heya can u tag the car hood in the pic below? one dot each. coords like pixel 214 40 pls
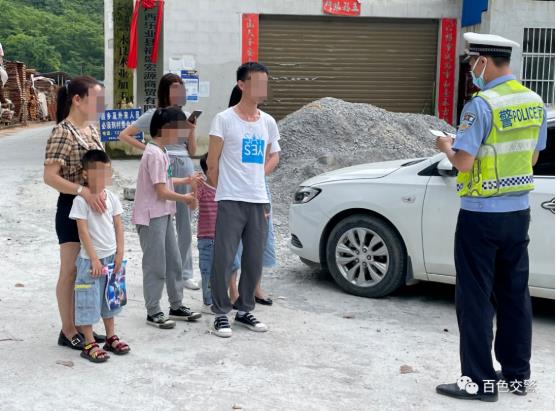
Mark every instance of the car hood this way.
pixel 363 171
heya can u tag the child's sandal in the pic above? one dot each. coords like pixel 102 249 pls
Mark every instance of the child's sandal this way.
pixel 93 353
pixel 121 348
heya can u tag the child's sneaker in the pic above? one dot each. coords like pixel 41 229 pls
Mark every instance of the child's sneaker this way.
pixel 159 320
pixel 207 309
pixel 248 320
pixel 184 314
pixel 221 327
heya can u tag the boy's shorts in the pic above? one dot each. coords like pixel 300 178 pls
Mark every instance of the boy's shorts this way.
pixel 90 302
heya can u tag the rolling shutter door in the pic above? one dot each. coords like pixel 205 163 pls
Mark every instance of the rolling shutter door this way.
pixel 390 63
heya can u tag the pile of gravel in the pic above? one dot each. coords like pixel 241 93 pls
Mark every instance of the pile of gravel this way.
pixel 329 133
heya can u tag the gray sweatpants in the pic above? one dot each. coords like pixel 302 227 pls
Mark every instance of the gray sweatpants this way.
pixel 182 166
pixel 238 220
pixel 161 264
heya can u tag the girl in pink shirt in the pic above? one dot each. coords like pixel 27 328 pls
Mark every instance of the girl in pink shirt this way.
pixel 153 211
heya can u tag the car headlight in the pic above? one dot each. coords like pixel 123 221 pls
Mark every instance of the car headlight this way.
pixel 305 194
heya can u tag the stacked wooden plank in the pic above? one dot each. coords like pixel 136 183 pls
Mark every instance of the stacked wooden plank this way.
pixel 3 94
pixel 46 86
pixel 15 87
pixel 21 71
pixel 24 90
pixel 6 108
pixel 51 102
pixel 32 100
pixel 32 104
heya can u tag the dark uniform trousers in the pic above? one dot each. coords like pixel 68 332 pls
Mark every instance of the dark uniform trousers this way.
pixel 492 266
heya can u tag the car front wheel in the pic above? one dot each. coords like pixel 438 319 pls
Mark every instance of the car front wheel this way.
pixel 366 256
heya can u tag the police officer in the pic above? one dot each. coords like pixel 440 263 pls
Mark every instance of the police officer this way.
pixel 502 129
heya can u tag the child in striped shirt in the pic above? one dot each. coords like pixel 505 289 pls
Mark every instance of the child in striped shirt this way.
pixel 208 209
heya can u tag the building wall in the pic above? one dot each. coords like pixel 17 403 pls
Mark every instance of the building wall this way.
pixel 508 18
pixel 210 30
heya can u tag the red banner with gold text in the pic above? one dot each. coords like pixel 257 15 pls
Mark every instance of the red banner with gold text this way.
pixel 447 72
pixel 342 7
pixel 249 37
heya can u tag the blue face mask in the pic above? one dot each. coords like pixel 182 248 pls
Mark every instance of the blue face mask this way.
pixel 479 81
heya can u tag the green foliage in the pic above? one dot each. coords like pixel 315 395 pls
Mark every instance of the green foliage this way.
pixel 51 35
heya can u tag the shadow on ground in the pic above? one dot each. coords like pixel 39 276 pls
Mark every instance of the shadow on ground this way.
pixel 422 292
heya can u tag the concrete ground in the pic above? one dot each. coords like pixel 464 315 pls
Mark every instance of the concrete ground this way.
pixel 326 350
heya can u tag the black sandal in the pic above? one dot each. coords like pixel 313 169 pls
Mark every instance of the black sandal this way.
pixel 121 348
pixel 96 356
pixel 263 301
pixel 76 342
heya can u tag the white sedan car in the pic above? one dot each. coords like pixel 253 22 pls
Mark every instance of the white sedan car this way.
pixel 379 226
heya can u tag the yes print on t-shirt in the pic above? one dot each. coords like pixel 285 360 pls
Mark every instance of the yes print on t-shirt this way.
pixel 252 149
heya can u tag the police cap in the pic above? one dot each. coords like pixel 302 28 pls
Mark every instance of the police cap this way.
pixel 488 45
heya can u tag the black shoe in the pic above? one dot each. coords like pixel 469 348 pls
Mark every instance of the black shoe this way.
pixel 263 301
pixel 221 327
pixel 77 342
pixel 248 320
pixel 99 338
pixel 184 314
pixel 452 390
pixel 160 320
pixel 515 386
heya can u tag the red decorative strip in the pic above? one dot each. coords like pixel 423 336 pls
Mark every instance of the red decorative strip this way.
pixel 249 37
pixel 447 73
pixel 342 7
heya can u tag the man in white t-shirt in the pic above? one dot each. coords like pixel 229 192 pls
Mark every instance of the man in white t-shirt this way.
pixel 240 141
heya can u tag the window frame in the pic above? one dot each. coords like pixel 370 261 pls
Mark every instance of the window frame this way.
pixel 538 47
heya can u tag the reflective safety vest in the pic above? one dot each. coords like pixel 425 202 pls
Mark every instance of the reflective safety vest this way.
pixel 503 163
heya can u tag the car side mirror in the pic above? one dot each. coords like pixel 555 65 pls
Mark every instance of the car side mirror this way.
pixel 446 169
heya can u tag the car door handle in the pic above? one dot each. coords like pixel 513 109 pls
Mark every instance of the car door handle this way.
pixel 549 205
